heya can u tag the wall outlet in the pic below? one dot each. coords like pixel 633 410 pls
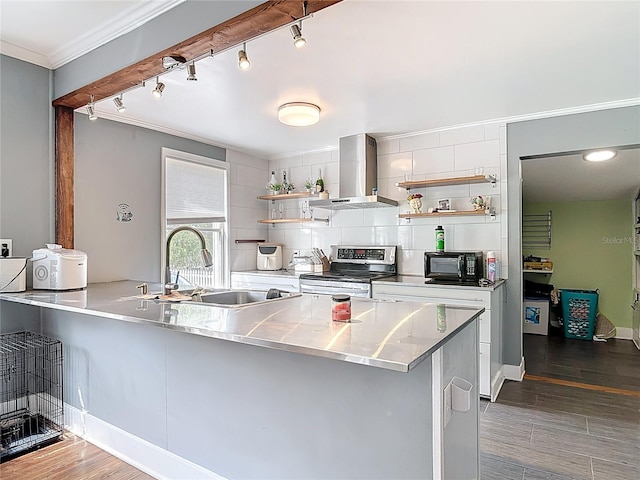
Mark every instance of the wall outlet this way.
pixel 6 247
pixel 447 405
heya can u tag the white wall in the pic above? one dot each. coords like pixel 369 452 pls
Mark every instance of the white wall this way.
pixel 247 179
pixel 438 154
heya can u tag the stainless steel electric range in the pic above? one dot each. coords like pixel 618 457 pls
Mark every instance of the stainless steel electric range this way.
pixel 353 268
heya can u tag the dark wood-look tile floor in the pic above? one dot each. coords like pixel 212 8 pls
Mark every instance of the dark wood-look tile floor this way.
pixel 72 458
pixel 576 415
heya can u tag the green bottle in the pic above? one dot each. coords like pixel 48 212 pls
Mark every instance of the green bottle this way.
pixel 319 182
pixel 439 239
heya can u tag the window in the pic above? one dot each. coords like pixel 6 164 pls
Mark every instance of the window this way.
pixel 195 194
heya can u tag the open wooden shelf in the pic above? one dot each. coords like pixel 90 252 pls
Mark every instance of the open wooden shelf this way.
pixel 447 181
pixel 293 220
pixel 444 213
pixel 287 196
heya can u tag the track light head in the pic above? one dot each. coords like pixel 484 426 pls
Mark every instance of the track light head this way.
pixel 119 105
pixel 191 71
pixel 243 60
pixel 91 109
pixel 298 40
pixel 157 92
pixel 91 112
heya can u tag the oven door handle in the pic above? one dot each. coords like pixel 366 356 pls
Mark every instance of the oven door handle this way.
pixel 305 288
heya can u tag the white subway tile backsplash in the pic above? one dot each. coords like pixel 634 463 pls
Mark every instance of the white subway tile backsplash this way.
pixel 462 135
pixel 418 142
pixel 492 131
pixel 385 235
pixel 480 154
pixel 481 237
pixel 388 146
pixel 317 158
pixel 394 165
pixel 347 218
pixel 381 216
pixel 433 160
pixel 451 153
pixel 251 177
pixel 240 158
pixel 358 236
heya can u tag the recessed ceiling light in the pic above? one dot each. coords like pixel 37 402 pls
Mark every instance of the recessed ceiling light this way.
pixel 299 114
pixel 599 155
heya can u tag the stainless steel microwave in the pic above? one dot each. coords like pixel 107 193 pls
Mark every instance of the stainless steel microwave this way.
pixel 460 266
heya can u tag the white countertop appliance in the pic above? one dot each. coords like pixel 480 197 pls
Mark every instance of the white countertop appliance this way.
pixel 353 268
pixel 57 268
pixel 13 274
pixel 269 256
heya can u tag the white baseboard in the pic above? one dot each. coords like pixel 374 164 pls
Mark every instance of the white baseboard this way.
pixel 624 333
pixel 145 456
pixel 514 372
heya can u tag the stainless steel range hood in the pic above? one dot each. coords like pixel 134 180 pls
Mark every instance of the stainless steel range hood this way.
pixel 358 176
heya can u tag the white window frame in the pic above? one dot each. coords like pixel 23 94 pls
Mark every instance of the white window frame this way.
pixel 169 153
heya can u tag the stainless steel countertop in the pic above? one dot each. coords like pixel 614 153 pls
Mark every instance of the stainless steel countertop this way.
pixel 391 335
pixel 418 280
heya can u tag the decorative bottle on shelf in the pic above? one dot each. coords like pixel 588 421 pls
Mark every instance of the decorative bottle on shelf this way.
pixel 319 182
pixel 272 182
pixel 439 239
pixel 285 185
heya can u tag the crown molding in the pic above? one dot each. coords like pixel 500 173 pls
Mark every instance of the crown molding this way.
pixel 128 20
pixel 14 51
pixel 629 102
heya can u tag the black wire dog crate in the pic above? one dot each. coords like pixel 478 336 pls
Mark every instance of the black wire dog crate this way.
pixel 31 404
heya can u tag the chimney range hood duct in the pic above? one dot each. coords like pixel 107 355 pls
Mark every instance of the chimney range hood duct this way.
pixel 358 176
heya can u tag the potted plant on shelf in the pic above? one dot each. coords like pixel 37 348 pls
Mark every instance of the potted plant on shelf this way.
pixel 274 188
pixel 478 203
pixel 415 202
pixel 309 186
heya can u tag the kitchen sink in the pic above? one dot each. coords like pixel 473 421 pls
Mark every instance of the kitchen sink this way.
pixel 240 298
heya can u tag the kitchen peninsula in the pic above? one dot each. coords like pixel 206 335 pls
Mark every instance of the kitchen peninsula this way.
pixel 193 383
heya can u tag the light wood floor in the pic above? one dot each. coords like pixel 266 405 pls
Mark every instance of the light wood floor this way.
pixel 69 459
pixel 578 417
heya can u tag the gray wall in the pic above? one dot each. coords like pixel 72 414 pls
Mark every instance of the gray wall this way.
pixel 118 163
pixel 170 28
pixel 604 128
pixel 26 168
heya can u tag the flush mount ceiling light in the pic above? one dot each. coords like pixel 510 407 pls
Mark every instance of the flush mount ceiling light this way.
pixel 119 105
pixel 91 109
pixel 299 114
pixel 157 92
pixel 191 71
pixel 298 40
pixel 173 61
pixel 243 60
pixel 599 155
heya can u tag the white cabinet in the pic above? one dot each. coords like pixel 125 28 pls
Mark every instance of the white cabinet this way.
pixel 490 323
pixel 256 280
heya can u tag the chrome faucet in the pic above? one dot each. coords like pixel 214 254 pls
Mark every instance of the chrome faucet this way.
pixel 207 260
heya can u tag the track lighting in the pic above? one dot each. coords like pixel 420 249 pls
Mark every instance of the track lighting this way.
pixel 157 92
pixel 191 70
pixel 298 40
pixel 119 105
pixel 91 109
pixel 243 60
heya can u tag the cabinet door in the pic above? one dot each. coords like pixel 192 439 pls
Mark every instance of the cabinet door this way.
pixel 264 282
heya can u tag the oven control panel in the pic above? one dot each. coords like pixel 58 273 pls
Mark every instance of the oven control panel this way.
pixel 353 254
